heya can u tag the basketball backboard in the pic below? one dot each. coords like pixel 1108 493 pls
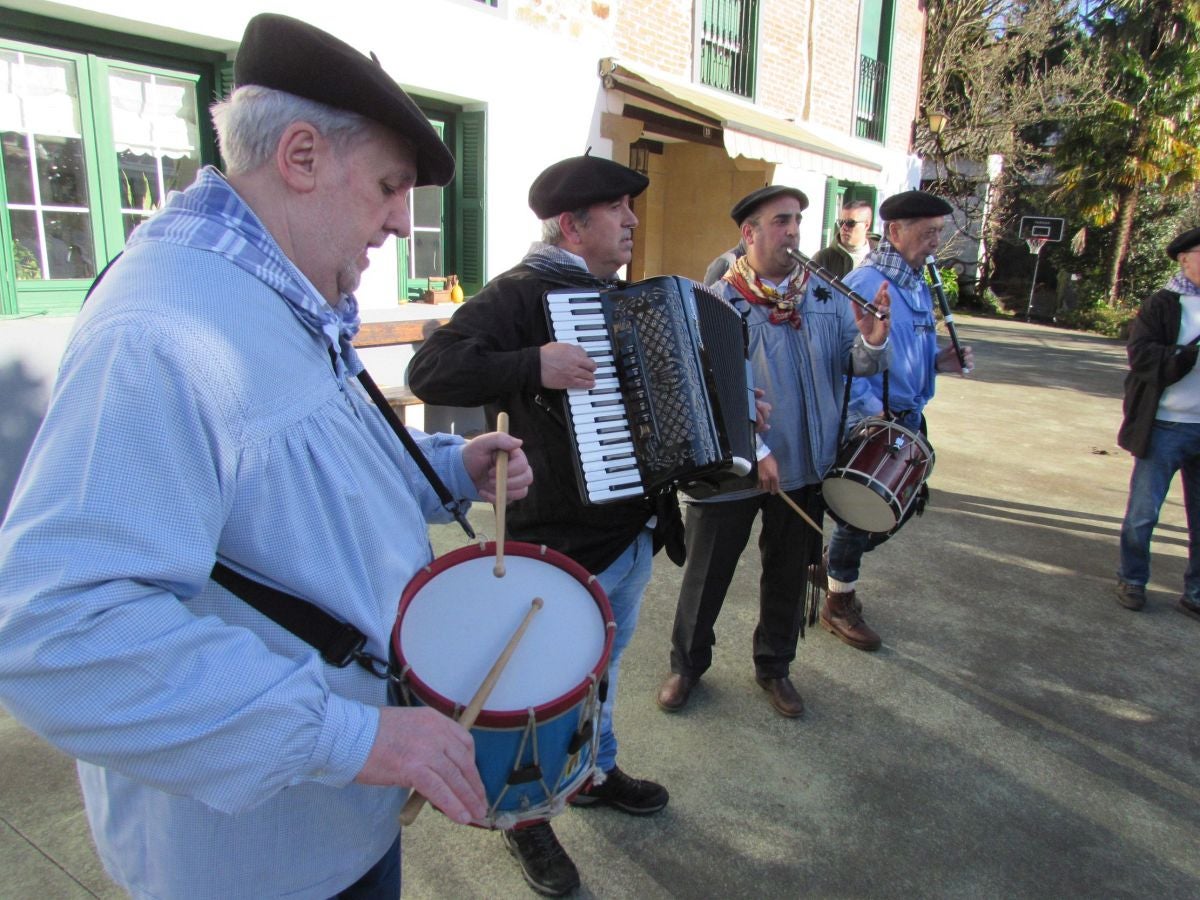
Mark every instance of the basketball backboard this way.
pixel 1046 227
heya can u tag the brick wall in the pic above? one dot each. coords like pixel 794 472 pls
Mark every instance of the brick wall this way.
pixel 808 56
pixel 657 33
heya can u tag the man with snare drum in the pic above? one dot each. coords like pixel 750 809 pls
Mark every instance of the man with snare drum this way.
pixel 913 224
pixel 207 418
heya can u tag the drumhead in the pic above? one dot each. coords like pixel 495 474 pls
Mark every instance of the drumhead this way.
pixel 854 503
pixel 456 617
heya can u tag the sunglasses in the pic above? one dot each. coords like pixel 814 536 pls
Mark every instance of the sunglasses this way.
pixel 848 223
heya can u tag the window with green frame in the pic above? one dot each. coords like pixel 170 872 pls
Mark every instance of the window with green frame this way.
pixel 447 222
pixel 727 45
pixel 875 50
pixel 90 145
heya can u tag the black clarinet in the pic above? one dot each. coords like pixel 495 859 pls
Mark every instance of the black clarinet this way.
pixel 837 284
pixel 940 289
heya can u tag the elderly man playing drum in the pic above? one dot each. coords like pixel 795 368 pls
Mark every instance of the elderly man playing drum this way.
pixel 913 229
pixel 206 412
pixel 801 342
pixel 497 352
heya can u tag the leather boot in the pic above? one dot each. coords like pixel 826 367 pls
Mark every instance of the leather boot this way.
pixel 841 614
pixel 673 695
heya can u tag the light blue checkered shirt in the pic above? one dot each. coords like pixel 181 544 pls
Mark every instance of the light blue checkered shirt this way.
pixel 197 416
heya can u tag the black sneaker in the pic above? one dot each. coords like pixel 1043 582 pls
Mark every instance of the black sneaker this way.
pixel 630 795
pixel 544 862
pixel 1131 596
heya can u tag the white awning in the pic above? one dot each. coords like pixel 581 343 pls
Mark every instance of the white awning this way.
pixel 746 130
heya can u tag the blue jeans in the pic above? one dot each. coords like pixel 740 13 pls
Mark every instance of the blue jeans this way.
pixel 382 881
pixel 1174 447
pixel 624 582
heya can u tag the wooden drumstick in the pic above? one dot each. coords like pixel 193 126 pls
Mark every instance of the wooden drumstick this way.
pixel 501 496
pixel 805 516
pixel 416 801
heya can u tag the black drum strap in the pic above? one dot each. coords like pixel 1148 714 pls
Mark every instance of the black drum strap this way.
pixel 339 643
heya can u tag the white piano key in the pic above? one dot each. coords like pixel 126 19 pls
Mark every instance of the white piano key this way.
pixel 616 493
pixel 615 451
pixel 601 479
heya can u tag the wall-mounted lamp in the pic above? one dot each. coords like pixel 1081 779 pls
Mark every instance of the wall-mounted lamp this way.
pixel 936 121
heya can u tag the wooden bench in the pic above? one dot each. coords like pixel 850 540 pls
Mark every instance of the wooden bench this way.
pixel 399 399
pixel 386 334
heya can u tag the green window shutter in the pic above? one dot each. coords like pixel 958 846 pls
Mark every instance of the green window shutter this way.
pixel 470 188
pixel 833 205
pixel 870 30
pixel 225 80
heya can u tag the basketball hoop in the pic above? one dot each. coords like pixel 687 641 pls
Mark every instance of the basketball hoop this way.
pixel 1036 244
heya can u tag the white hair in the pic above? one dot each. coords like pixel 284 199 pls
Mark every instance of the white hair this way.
pixel 552 232
pixel 250 122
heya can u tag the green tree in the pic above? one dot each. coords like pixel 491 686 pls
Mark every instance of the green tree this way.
pixel 1005 72
pixel 1146 133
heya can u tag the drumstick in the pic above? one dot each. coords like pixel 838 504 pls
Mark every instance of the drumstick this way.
pixel 805 516
pixel 415 801
pixel 501 496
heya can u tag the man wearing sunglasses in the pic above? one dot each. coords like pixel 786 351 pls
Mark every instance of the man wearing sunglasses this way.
pixel 852 242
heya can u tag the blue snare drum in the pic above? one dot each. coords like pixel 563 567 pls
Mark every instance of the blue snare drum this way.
pixel 536 737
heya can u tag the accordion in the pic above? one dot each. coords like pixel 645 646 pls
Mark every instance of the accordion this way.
pixel 673 404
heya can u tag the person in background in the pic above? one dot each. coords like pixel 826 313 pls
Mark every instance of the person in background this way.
pixel 852 242
pixel 719 266
pixel 1161 426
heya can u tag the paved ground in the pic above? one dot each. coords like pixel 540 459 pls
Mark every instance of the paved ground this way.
pixel 1019 734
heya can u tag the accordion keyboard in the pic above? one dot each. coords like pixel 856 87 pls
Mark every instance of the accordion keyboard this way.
pixel 602 428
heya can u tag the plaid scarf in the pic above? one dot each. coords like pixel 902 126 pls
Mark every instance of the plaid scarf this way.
pixel 562 266
pixel 1182 285
pixel 894 266
pixel 210 216
pixel 785 305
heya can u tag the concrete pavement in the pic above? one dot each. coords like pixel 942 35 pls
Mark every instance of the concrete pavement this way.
pixel 1018 735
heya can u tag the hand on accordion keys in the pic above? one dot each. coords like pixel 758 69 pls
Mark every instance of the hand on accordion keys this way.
pixel 566 366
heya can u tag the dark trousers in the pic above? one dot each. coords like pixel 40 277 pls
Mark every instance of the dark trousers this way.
pixel 382 881
pixel 716 535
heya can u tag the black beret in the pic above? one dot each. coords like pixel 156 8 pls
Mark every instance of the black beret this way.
pixel 580 181
pixel 288 55
pixel 745 207
pixel 1185 241
pixel 913 205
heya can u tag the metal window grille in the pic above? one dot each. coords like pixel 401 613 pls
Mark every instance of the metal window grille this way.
pixel 728 45
pixel 872 88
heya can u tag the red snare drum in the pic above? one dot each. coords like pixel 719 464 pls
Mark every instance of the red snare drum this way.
pixel 877 475
pixel 536 737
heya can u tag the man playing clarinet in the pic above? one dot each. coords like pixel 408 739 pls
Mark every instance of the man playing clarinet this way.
pixel 803 337
pixel 912 231
pixel 497 352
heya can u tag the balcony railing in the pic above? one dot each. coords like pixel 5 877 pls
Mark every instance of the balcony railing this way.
pixel 872 89
pixel 728 52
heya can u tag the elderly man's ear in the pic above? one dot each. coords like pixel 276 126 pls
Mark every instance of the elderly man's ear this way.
pixel 297 154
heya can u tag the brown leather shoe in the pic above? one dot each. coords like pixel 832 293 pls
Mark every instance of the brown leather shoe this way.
pixel 784 696
pixel 841 614
pixel 674 693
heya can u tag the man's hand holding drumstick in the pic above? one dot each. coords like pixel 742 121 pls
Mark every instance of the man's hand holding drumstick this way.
pixel 480 456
